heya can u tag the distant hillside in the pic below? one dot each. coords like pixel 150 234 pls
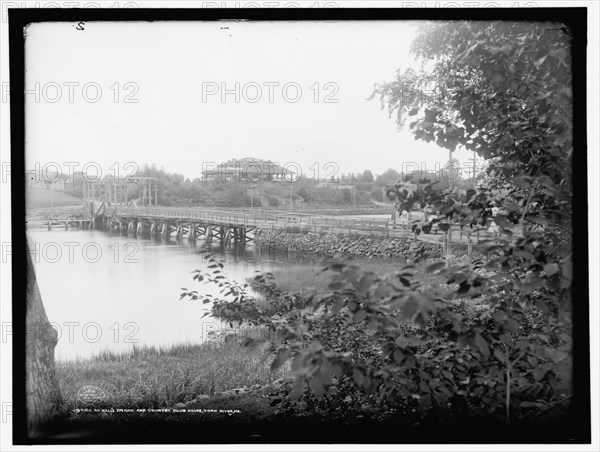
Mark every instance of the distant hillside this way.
pixel 39 198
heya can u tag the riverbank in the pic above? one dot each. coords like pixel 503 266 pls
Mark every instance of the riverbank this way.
pixel 223 385
pixel 152 378
pixel 328 245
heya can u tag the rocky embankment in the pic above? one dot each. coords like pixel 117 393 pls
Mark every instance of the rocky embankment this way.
pixel 331 244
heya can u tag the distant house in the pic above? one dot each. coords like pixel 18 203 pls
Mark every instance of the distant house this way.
pixel 248 169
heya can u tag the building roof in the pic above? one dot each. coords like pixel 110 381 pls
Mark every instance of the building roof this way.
pixel 249 166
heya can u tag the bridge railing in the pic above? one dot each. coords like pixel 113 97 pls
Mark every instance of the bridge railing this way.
pixel 273 220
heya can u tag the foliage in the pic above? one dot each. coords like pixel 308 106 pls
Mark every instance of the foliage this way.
pixel 377 340
pixel 388 177
pixel 367 176
pixel 507 96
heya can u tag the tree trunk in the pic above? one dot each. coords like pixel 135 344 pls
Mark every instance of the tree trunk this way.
pixel 43 399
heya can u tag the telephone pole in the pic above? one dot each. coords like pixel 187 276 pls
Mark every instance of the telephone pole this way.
pixel 474 165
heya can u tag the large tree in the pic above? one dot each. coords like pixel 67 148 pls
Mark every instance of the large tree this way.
pixel 503 90
pixel 43 399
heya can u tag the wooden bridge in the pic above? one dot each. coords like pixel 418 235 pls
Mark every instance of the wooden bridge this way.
pixel 237 226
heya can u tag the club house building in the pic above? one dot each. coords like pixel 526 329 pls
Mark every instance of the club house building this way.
pixel 248 169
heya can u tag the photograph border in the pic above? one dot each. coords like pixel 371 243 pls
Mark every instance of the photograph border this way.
pixel 575 18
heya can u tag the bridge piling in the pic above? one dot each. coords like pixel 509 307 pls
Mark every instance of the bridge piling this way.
pixel 209 235
pixel 191 232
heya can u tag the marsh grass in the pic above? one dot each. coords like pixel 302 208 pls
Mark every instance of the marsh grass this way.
pixel 154 377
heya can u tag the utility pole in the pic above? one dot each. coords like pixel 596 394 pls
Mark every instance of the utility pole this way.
pixel 354 196
pixel 450 176
pixel 291 191
pixel 252 188
pixel 474 165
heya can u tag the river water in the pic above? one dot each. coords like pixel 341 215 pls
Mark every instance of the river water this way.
pixel 106 292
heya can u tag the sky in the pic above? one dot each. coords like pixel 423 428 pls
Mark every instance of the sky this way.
pixel 186 94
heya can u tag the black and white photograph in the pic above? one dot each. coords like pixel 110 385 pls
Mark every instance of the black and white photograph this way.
pixel 313 223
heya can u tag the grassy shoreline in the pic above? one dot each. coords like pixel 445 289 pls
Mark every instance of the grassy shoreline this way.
pixel 150 377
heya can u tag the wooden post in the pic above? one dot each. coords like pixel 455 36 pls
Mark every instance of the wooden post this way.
pixel 222 236
pixel 469 246
pixel 191 232
pixel 209 233
pixel 444 245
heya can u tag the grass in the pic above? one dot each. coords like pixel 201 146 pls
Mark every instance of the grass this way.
pixel 38 198
pixel 150 377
